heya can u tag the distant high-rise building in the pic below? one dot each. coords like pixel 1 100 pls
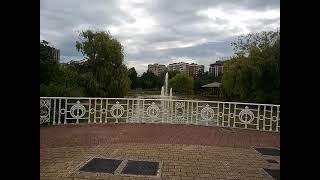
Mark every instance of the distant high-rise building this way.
pixel 217 67
pixel 191 69
pixel 56 54
pixel 195 69
pixel 181 67
pixel 156 68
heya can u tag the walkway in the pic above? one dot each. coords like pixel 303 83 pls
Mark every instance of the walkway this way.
pixel 185 151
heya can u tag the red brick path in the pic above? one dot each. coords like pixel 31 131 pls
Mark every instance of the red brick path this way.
pixel 90 135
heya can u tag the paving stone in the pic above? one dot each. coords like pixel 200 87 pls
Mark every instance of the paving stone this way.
pixel 179 161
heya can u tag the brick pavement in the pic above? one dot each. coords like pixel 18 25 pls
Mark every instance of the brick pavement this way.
pixel 88 135
pixel 184 155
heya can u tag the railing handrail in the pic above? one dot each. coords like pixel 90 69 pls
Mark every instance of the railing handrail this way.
pixel 149 99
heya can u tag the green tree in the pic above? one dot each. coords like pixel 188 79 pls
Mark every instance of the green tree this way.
pixel 254 73
pixel 259 40
pixel 133 77
pixel 182 84
pixel 203 79
pixel 105 61
pixel 148 80
pixel 49 69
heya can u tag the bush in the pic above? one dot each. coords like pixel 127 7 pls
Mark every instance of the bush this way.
pixel 182 84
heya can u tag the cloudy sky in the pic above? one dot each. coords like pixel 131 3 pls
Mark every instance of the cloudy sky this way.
pixel 162 31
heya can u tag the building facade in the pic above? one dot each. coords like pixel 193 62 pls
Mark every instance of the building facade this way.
pixel 56 54
pixel 195 69
pixel 181 67
pixel 216 68
pixel 191 69
pixel 156 69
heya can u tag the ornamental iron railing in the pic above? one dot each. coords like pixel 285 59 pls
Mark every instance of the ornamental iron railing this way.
pixel 79 110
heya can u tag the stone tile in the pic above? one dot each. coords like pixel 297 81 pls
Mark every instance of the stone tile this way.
pixel 179 161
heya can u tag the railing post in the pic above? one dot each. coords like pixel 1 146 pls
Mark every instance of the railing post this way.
pixel 127 120
pixel 172 113
pixel 271 118
pixel 278 112
pixel 101 103
pixel 188 112
pixel 65 111
pixel 143 111
pixel 59 115
pixel 54 112
pixel 197 113
pixel 89 110
pixel 229 112
pixel 222 124
pixel 258 117
pixel 264 117
pixel 95 110
pixel 234 115
pixel 191 113
pixel 218 110
pixel 162 110
pixel 106 120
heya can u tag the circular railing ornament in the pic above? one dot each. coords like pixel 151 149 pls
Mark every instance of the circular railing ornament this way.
pixel 117 110
pixel 207 113
pixel 153 110
pixel 77 110
pixel 44 110
pixel 180 108
pixel 246 116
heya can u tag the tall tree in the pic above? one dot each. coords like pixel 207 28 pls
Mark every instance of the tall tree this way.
pixel 105 61
pixel 48 67
pixel 254 73
pixel 133 77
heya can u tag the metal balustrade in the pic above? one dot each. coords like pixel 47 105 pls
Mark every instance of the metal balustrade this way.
pixel 79 110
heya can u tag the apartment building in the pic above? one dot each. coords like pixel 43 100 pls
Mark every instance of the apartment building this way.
pixel 192 69
pixel 156 68
pixel 216 68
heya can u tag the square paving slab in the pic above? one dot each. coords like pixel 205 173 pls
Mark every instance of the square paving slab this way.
pixel 145 168
pixel 275 173
pixel 268 151
pixel 98 165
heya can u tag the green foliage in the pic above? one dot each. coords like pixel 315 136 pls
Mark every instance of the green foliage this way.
pixel 182 84
pixel 203 79
pixel 256 75
pixel 171 74
pixel 132 73
pixel 148 80
pixel 261 41
pixel 48 67
pixel 102 75
pixel 105 62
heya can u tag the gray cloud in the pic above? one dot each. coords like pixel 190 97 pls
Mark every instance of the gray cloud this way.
pixel 160 31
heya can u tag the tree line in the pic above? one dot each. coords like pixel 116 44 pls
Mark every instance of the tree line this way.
pixel 252 74
pixel 103 74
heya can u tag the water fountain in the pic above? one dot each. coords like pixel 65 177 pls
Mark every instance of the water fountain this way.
pixel 164 88
pixel 165 96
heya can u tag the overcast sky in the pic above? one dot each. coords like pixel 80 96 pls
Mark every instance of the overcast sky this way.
pixel 162 31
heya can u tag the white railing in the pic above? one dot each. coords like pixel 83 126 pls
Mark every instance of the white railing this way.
pixel 66 110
